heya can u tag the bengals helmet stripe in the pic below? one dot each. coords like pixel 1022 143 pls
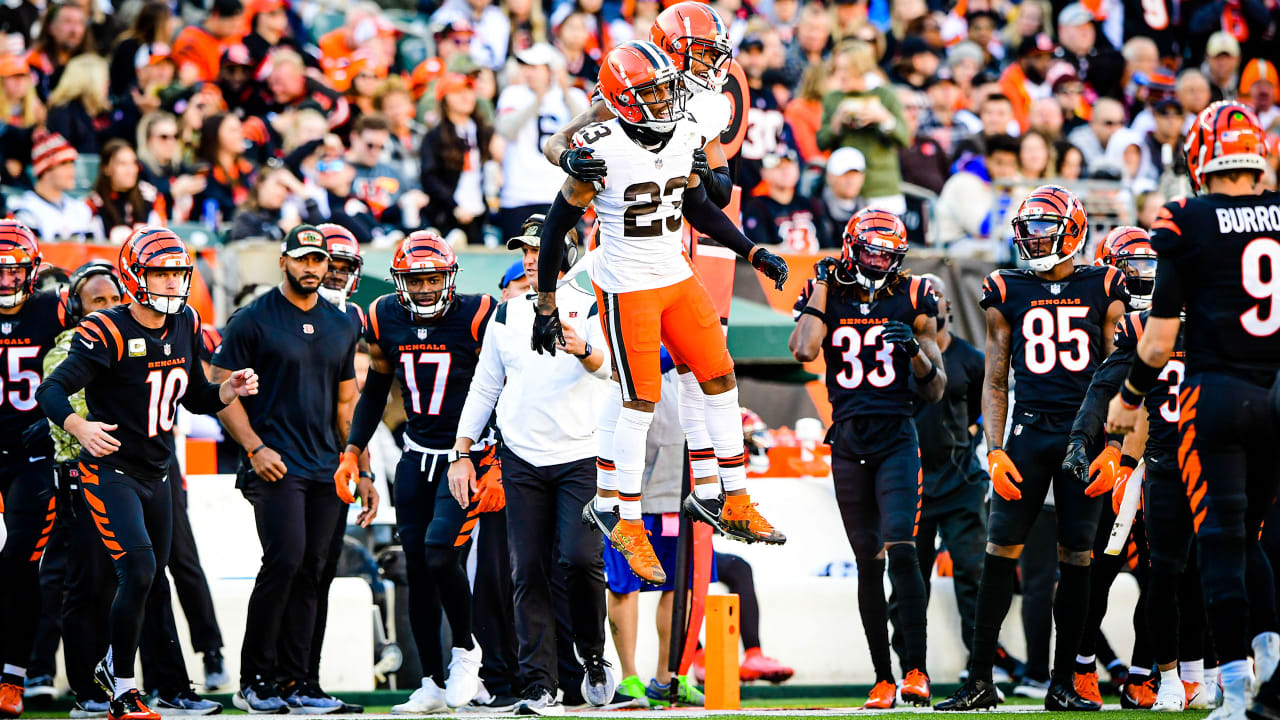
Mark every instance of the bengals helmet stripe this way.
pixel 1225 136
pixel 18 247
pixel 874 243
pixel 1052 215
pixel 341 244
pixel 424 252
pixel 155 248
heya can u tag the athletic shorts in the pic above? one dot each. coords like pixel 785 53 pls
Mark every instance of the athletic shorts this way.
pixel 618 573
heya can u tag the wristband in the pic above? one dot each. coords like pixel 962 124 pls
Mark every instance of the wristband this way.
pixel 1142 377
pixel 1130 397
pixel 1127 461
pixel 933 373
pixel 256 450
pixel 365 474
pixel 586 352
pixel 810 310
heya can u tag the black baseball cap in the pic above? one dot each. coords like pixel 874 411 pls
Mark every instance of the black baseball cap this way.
pixel 305 239
pixel 227 8
pixel 751 42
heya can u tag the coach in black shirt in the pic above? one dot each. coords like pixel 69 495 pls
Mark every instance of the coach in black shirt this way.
pixel 292 434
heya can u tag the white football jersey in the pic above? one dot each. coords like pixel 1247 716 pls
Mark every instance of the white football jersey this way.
pixel 710 110
pixel 641 226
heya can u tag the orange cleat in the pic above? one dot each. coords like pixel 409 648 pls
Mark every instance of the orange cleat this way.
pixel 10 700
pixel 740 520
pixel 915 689
pixel 883 696
pixel 1139 696
pixel 1087 686
pixel 758 666
pixel 632 540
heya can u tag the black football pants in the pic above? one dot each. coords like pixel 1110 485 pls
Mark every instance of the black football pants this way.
pixel 26 485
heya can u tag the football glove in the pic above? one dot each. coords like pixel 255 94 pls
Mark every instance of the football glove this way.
pixel 581 163
pixel 1103 472
pixel 771 266
pixel 1076 461
pixel 700 165
pixel 824 271
pixel 896 331
pixel 1117 493
pixel 490 496
pixel 1005 477
pixel 547 332
pixel 347 473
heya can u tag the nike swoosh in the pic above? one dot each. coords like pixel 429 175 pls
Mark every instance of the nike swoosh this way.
pixel 37 458
pixel 86 344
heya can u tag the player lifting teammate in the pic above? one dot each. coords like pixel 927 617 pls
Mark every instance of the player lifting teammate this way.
pixel 875 327
pixel 647 290
pixel 1218 259
pixel 428 338
pixel 136 362
pixel 1053 324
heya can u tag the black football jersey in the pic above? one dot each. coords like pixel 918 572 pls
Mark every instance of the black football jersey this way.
pixel 434 361
pixel 25 337
pixel 142 376
pixel 356 315
pixel 1226 255
pixel 1056 331
pixel 865 375
pixel 1162 400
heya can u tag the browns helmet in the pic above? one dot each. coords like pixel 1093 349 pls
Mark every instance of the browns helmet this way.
pixel 18 249
pixel 698 42
pixel 875 241
pixel 1225 136
pixel 339 285
pixel 150 249
pixel 641 85
pixel 424 252
pixel 1049 228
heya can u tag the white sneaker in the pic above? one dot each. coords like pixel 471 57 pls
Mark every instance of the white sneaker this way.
pixel 1266 656
pixel 598 682
pixel 427 699
pixel 1235 698
pixel 1171 697
pixel 463 682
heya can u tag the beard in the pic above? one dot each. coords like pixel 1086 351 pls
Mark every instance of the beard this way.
pixel 296 285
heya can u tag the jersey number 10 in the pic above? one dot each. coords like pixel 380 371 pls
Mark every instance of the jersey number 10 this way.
pixel 162 407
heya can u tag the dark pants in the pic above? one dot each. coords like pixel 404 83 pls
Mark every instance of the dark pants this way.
pixel 544 505
pixel 27 489
pixel 53 575
pixel 188 575
pixel 295 518
pixel 1038 567
pixel 327 574
pixel 493 610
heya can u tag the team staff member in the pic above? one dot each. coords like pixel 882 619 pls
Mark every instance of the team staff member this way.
pixel 305 348
pixel 136 362
pixel 34 320
pixel 547 409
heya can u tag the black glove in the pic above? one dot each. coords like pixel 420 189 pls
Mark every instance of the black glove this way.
pixel 547 332
pixel 700 165
pixel 896 331
pixel 580 163
pixel 824 270
pixel 771 266
pixel 1077 461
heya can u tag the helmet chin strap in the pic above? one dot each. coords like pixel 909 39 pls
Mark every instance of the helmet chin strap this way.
pixel 645 136
pixel 336 297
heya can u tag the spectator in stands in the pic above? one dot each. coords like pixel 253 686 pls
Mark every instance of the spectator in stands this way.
pixel 1258 89
pixel 358 78
pixel 571 41
pixel 997 116
pixel 1222 65
pixel 514 283
pixel 154 74
pixel 198 48
pixel 971 209
pixel 291 86
pixel 922 159
pixel 804 112
pixel 79 109
pixel 1025 21
pixel 916 63
pixel 396 202
pixel 965 60
pixel 1163 143
pixel 1046 118
pixel 161 164
pixel 1071 165
pixel 811 45
pixel 769 125
pixel 781 215
pixel 1149 205
pixel 1194 93
pixel 528 24
pixel 942 123
pixel 335 201
pixel 1141 59
pixel 365 28
pixel 1036 156
pixel 982 32
pixel 841 196
pixel 20 112
pixel 491 25
pixel 120 199
pixel 637 18
pixel 1077 37
pixel 228 175
pixel 395 103
pixel 1092 139
pixel 47 209
pixel 273 209
pixel 269 23
pixel 869 119
pixel 1024 80
pixel 454 155
pixel 241 91
pixel 155 24
pixel 64 34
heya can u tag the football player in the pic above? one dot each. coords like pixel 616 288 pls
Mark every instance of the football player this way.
pixel 427 337
pixel 1217 259
pixel 30 323
pixel 1053 324
pixel 345 266
pixel 648 291
pixel 136 362
pixel 875 328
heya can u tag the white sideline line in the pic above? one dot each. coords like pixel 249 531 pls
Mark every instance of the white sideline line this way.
pixel 694 713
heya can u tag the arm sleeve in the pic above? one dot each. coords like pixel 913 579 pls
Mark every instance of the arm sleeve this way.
pixel 68 378
pixel 202 397
pixel 719 186
pixel 1088 425
pixel 368 412
pixel 486 385
pixel 560 218
pixel 711 221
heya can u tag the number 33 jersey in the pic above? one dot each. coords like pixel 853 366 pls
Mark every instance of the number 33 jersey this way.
pixel 641 226
pixel 866 375
pixel 1056 331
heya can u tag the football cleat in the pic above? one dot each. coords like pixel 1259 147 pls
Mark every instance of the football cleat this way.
pixel 631 539
pixel 1266 656
pixel 915 689
pixel 129 706
pixel 705 511
pixel 1197 695
pixel 973 695
pixel 40 686
pixel 603 520
pixel 425 700
pixel 104 678
pixel 1063 697
pixel 1170 697
pixel 758 666
pixel 1034 689
pixel 883 696
pixel 1087 686
pixel 11 700
pixel 537 700
pixel 1139 695
pixel 741 520
pixel 1235 700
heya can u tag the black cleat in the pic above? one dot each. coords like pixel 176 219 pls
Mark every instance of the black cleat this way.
pixel 603 521
pixel 704 511
pixel 129 706
pixel 104 678
pixel 1063 697
pixel 973 695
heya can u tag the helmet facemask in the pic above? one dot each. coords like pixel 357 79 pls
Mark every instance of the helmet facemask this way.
pixel 338 284
pixel 660 101
pixel 23 288
pixel 1139 278
pixel 435 302
pixel 1040 240
pixel 706 62
pixel 869 260
pixel 166 304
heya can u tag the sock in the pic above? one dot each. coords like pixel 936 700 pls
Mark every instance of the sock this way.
pixel 724 424
pixel 913 603
pixel 1170 676
pixel 995 592
pixel 1192 671
pixel 1138 675
pixel 693 420
pixel 1236 676
pixel 629 439
pixel 605 504
pixel 707 491
pixel 874 610
pixel 1070 613
pixel 124 685
pixel 1087 660
pixel 1211 676
pixel 606 473
pixel 15 671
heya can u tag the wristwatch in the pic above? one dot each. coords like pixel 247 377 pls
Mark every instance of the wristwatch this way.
pixel 586 352
pixel 454 456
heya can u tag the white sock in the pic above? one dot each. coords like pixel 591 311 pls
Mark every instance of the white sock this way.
pixel 1089 660
pixel 1211 676
pixel 1136 671
pixel 15 671
pixel 124 685
pixel 111 662
pixel 628 453
pixel 693 420
pixel 1170 676
pixel 1192 671
pixel 1236 677
pixel 606 504
pixel 707 491
pixel 724 424
pixel 606 474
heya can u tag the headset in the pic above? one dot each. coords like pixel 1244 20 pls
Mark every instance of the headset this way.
pixel 533 228
pixel 82 274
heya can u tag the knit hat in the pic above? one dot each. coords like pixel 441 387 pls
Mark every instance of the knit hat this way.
pixel 48 150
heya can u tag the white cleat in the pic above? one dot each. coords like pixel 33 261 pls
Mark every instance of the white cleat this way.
pixel 425 700
pixel 1236 697
pixel 1266 656
pixel 1171 697
pixel 1198 696
pixel 463 683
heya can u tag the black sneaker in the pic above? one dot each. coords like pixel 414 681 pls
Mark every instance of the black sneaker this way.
pixel 704 511
pixel 129 706
pixel 1063 697
pixel 537 700
pixel 973 695
pixel 598 683
pixel 184 702
pixel 215 671
pixel 104 678
pixel 603 521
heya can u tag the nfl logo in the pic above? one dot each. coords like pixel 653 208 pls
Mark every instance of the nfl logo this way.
pixel 1017 429
pixel 423 333
pixel 658 163
pixel 864 308
pixel 6 328
pixel 308 328
pixel 1056 288
pixel 167 349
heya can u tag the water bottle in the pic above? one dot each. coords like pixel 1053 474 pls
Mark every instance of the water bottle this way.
pixel 209 215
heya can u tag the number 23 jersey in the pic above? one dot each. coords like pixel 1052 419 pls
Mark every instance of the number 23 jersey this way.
pixel 434 361
pixel 1056 331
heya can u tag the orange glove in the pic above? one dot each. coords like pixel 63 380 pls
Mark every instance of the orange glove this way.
pixel 347 473
pixel 490 495
pixel 946 567
pixel 1004 475
pixel 1103 472
pixel 1117 494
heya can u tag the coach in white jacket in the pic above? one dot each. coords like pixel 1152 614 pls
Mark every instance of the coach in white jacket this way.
pixel 548 408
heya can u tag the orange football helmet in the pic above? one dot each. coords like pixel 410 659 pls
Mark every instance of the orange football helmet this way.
pixel 424 252
pixel 1225 136
pixel 697 40
pixel 155 248
pixel 340 284
pixel 18 249
pixel 875 241
pixel 1050 227
pixel 642 86
pixel 1129 250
